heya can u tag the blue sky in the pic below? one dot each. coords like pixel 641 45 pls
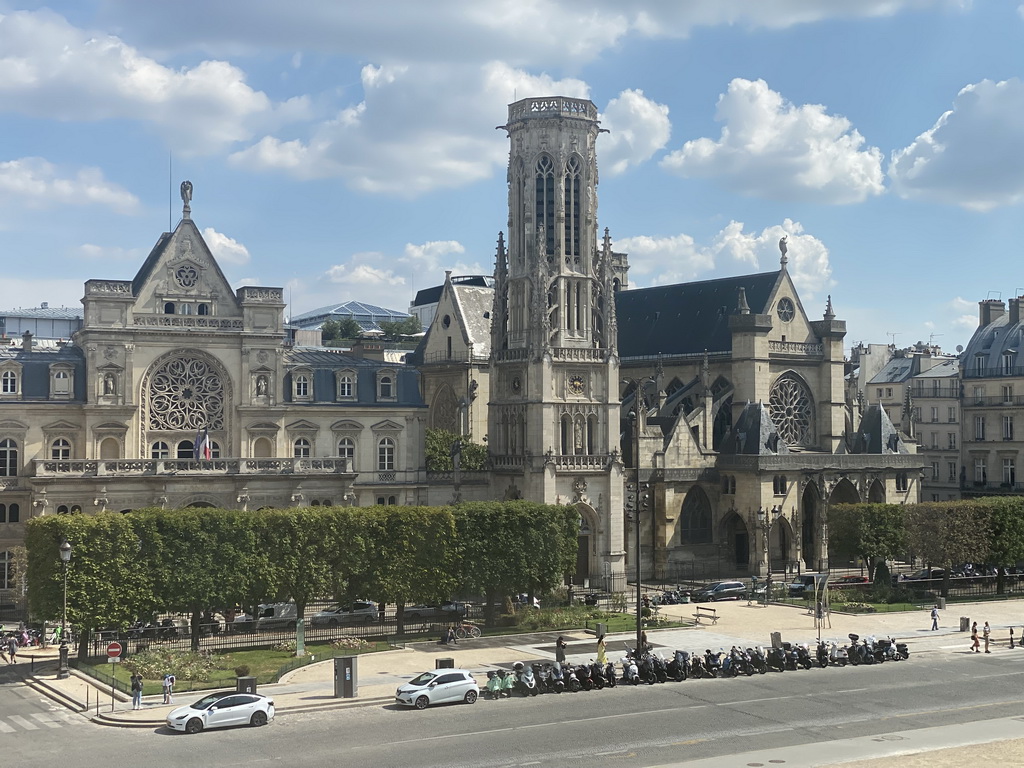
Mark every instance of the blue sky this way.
pixel 347 150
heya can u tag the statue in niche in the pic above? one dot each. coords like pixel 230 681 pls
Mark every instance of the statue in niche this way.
pixel 261 385
pixel 109 384
pixel 579 437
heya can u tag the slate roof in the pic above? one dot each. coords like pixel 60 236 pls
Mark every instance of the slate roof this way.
pixel 324 364
pixel 44 313
pixel 942 370
pixel 686 318
pixel 896 371
pixel 475 305
pixel 35 370
pixel 433 295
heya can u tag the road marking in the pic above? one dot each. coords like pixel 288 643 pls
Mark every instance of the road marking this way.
pixel 45 720
pixel 26 724
pixel 5 728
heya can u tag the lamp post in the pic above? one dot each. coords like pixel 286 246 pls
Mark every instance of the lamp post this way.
pixel 65 557
pixel 637 495
pixel 765 521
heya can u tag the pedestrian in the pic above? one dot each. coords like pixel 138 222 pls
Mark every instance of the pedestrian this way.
pixel 935 617
pixel 136 691
pixel 986 632
pixel 560 646
pixel 12 648
pixel 450 637
pixel 602 656
pixel 168 688
pixel 974 637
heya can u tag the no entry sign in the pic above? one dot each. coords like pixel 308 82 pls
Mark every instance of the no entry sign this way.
pixel 114 650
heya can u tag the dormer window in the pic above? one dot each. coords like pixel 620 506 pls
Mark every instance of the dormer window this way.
pixel 8 383
pixel 61 381
pixel 302 385
pixel 346 384
pixel 386 385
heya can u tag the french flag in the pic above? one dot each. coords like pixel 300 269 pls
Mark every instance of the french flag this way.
pixel 201 449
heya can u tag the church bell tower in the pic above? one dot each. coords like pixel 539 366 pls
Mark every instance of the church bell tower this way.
pixel 554 396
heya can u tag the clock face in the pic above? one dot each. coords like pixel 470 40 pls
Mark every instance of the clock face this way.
pixel 786 310
pixel 576 384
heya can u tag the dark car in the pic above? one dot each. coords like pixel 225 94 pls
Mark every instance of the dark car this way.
pixel 844 582
pixel 720 590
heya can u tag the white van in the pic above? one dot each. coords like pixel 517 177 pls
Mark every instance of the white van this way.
pixel 276 616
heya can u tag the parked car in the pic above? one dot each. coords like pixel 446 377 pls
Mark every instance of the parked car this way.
pixel 220 710
pixel 359 612
pixel 807 584
pixel 720 590
pixel 422 612
pixel 845 582
pixel 438 686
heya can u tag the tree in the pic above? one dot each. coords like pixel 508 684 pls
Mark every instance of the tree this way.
pixel 330 330
pixel 1006 534
pixel 507 547
pixel 871 531
pixel 948 533
pixel 438 450
pixel 395 329
pixel 349 328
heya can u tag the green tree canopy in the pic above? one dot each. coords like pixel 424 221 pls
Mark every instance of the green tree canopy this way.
pixel 438 451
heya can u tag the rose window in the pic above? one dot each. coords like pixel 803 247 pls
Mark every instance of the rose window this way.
pixel 186 394
pixel 791 410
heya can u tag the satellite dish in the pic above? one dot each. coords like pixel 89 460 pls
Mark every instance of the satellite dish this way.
pixel 959 347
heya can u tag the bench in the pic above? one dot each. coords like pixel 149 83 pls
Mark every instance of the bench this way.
pixel 704 612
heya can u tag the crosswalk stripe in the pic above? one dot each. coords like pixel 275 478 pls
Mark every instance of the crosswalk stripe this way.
pixel 26 724
pixel 69 718
pixel 5 728
pixel 45 720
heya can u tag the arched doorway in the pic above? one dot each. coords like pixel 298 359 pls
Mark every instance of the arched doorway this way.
pixel 876 494
pixel 735 541
pixel 780 542
pixel 810 524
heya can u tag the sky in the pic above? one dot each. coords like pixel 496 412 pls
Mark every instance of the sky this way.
pixel 345 149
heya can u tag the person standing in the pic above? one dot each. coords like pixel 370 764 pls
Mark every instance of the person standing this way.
pixel 136 691
pixel 12 648
pixel 560 646
pixel 974 637
pixel 935 617
pixel 986 632
pixel 602 656
pixel 168 688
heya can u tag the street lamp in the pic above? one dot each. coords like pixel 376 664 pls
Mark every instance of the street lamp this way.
pixel 637 495
pixel 65 557
pixel 766 521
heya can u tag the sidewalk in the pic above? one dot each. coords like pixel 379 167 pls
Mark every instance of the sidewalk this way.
pixel 379 674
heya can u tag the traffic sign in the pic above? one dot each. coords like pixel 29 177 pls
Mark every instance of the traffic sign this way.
pixel 114 650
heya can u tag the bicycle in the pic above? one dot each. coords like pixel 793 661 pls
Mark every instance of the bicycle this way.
pixel 467 630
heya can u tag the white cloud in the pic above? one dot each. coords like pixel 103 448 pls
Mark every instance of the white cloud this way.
pixel 964 313
pixel 773 149
pixel 363 276
pixel 225 249
pixel 51 69
pixel 38 183
pixel 430 260
pixel 638 127
pixel 974 154
pixel 666 260
pixel 417 129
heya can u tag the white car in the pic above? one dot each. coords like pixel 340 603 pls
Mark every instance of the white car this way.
pixel 438 686
pixel 359 612
pixel 220 710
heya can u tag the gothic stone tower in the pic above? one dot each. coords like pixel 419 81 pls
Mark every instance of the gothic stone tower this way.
pixel 554 385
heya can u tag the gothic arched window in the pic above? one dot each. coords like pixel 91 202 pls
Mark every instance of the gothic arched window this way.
pixel 695 520
pixel 792 410
pixel 573 210
pixel 545 204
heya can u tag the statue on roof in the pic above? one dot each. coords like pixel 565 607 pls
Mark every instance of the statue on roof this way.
pixel 186 195
pixel 784 248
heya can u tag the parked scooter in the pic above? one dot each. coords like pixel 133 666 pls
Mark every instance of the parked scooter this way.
pixel 777 659
pixel 759 659
pixel 679 666
pixel 597 675
pixel 609 673
pixel 556 678
pixel 630 671
pixel 494 680
pixel 713 663
pixel 508 683
pixel 803 656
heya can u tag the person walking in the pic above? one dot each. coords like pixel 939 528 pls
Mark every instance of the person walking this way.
pixel 168 688
pixel 974 637
pixel 986 632
pixel 560 646
pixel 602 655
pixel 136 691
pixel 935 617
pixel 12 648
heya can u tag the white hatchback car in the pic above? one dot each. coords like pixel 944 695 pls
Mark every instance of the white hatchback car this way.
pixel 220 710
pixel 438 686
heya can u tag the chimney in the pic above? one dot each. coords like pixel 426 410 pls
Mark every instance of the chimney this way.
pixel 990 311
pixel 1015 310
pixel 26 341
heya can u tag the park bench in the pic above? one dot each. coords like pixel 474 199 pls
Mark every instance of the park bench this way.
pixel 703 612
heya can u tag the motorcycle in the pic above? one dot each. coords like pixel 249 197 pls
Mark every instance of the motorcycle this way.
pixel 556 679
pixel 609 673
pixel 679 666
pixel 803 656
pixel 875 649
pixel 822 654
pixel 741 663
pixel 572 680
pixel 583 675
pixel 660 667
pixel 525 682
pixel 777 659
pixel 508 682
pixel 630 671
pixel 597 675
pixel 713 663
pixel 837 654
pixel 759 659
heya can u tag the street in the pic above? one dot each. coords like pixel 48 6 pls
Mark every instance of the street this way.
pixel 625 726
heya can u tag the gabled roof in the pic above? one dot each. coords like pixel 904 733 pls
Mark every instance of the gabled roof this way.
pixel 367 315
pixel 475 305
pixel 686 318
